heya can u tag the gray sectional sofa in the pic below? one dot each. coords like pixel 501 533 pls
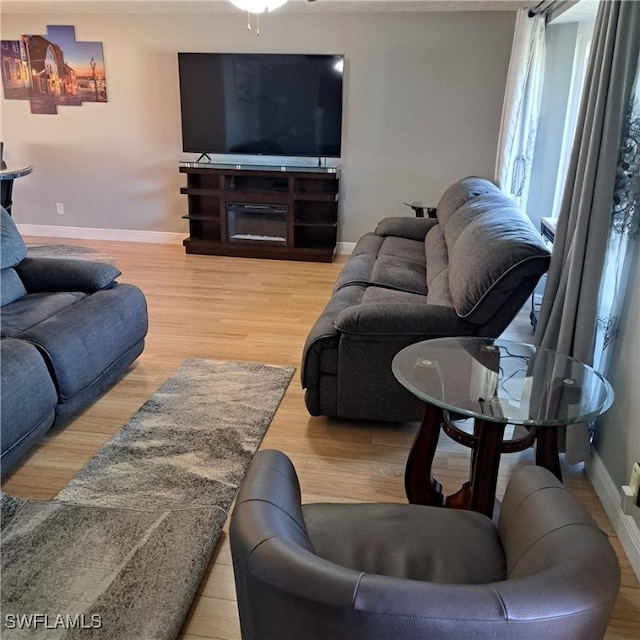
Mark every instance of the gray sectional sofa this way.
pixel 68 332
pixel 466 272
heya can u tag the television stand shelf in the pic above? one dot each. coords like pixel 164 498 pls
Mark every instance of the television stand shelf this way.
pixel 255 211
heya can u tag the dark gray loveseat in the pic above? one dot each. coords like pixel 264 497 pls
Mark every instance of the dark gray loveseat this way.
pixel 466 273
pixel 69 331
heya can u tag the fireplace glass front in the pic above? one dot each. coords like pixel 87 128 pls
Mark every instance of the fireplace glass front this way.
pixel 256 223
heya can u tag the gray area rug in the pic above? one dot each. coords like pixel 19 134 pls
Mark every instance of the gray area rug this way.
pixel 36 250
pixel 120 552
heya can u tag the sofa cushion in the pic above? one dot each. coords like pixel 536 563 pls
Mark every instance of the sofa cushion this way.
pixel 408 541
pixel 114 319
pixel 461 192
pixel 361 261
pixel 492 255
pixel 437 263
pixel 32 309
pixel 11 287
pixel 28 400
pixel 386 261
pixel 460 219
pixel 383 295
pixel 400 266
pixel 439 293
pixel 12 250
pixel 436 256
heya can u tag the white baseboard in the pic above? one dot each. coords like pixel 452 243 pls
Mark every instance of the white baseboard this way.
pixel 125 235
pixel 345 248
pixel 625 526
pixel 86 233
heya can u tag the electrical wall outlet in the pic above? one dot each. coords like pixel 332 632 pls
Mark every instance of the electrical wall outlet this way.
pixel 634 482
pixel 626 500
pixel 60 208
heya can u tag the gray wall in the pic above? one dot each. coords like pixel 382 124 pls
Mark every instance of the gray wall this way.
pixel 618 436
pixel 422 109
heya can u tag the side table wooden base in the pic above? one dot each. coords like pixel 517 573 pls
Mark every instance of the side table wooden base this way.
pixel 487 445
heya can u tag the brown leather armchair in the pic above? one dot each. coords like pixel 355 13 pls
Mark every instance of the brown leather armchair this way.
pixel 390 571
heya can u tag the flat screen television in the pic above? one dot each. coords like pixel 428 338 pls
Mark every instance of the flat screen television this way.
pixel 261 104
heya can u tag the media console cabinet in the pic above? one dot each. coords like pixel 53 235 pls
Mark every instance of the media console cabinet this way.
pixel 255 211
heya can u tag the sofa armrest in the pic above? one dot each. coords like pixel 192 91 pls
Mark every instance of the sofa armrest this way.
pixel 41 275
pixel 390 319
pixel 405 227
pixel 321 341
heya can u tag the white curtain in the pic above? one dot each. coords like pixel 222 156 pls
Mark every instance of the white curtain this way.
pixel 521 108
pixel 623 233
pixel 598 220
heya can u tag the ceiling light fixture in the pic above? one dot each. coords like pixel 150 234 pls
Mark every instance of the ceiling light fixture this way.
pixel 257 7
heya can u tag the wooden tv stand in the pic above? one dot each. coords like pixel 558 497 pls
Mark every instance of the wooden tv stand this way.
pixel 254 211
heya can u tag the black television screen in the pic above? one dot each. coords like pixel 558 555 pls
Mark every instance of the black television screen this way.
pixel 264 104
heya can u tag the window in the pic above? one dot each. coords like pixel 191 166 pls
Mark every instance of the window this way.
pixel 580 59
pixel 568 40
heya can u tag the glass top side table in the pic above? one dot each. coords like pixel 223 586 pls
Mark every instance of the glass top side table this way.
pixel 495 382
pixel 7 176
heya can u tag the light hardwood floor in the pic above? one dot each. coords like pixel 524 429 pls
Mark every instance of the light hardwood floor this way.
pixel 261 310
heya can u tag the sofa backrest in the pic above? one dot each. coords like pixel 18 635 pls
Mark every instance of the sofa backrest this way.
pixel 12 252
pixel 493 250
pixel 459 193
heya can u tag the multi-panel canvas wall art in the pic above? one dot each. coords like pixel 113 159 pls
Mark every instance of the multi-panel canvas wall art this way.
pixel 53 70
